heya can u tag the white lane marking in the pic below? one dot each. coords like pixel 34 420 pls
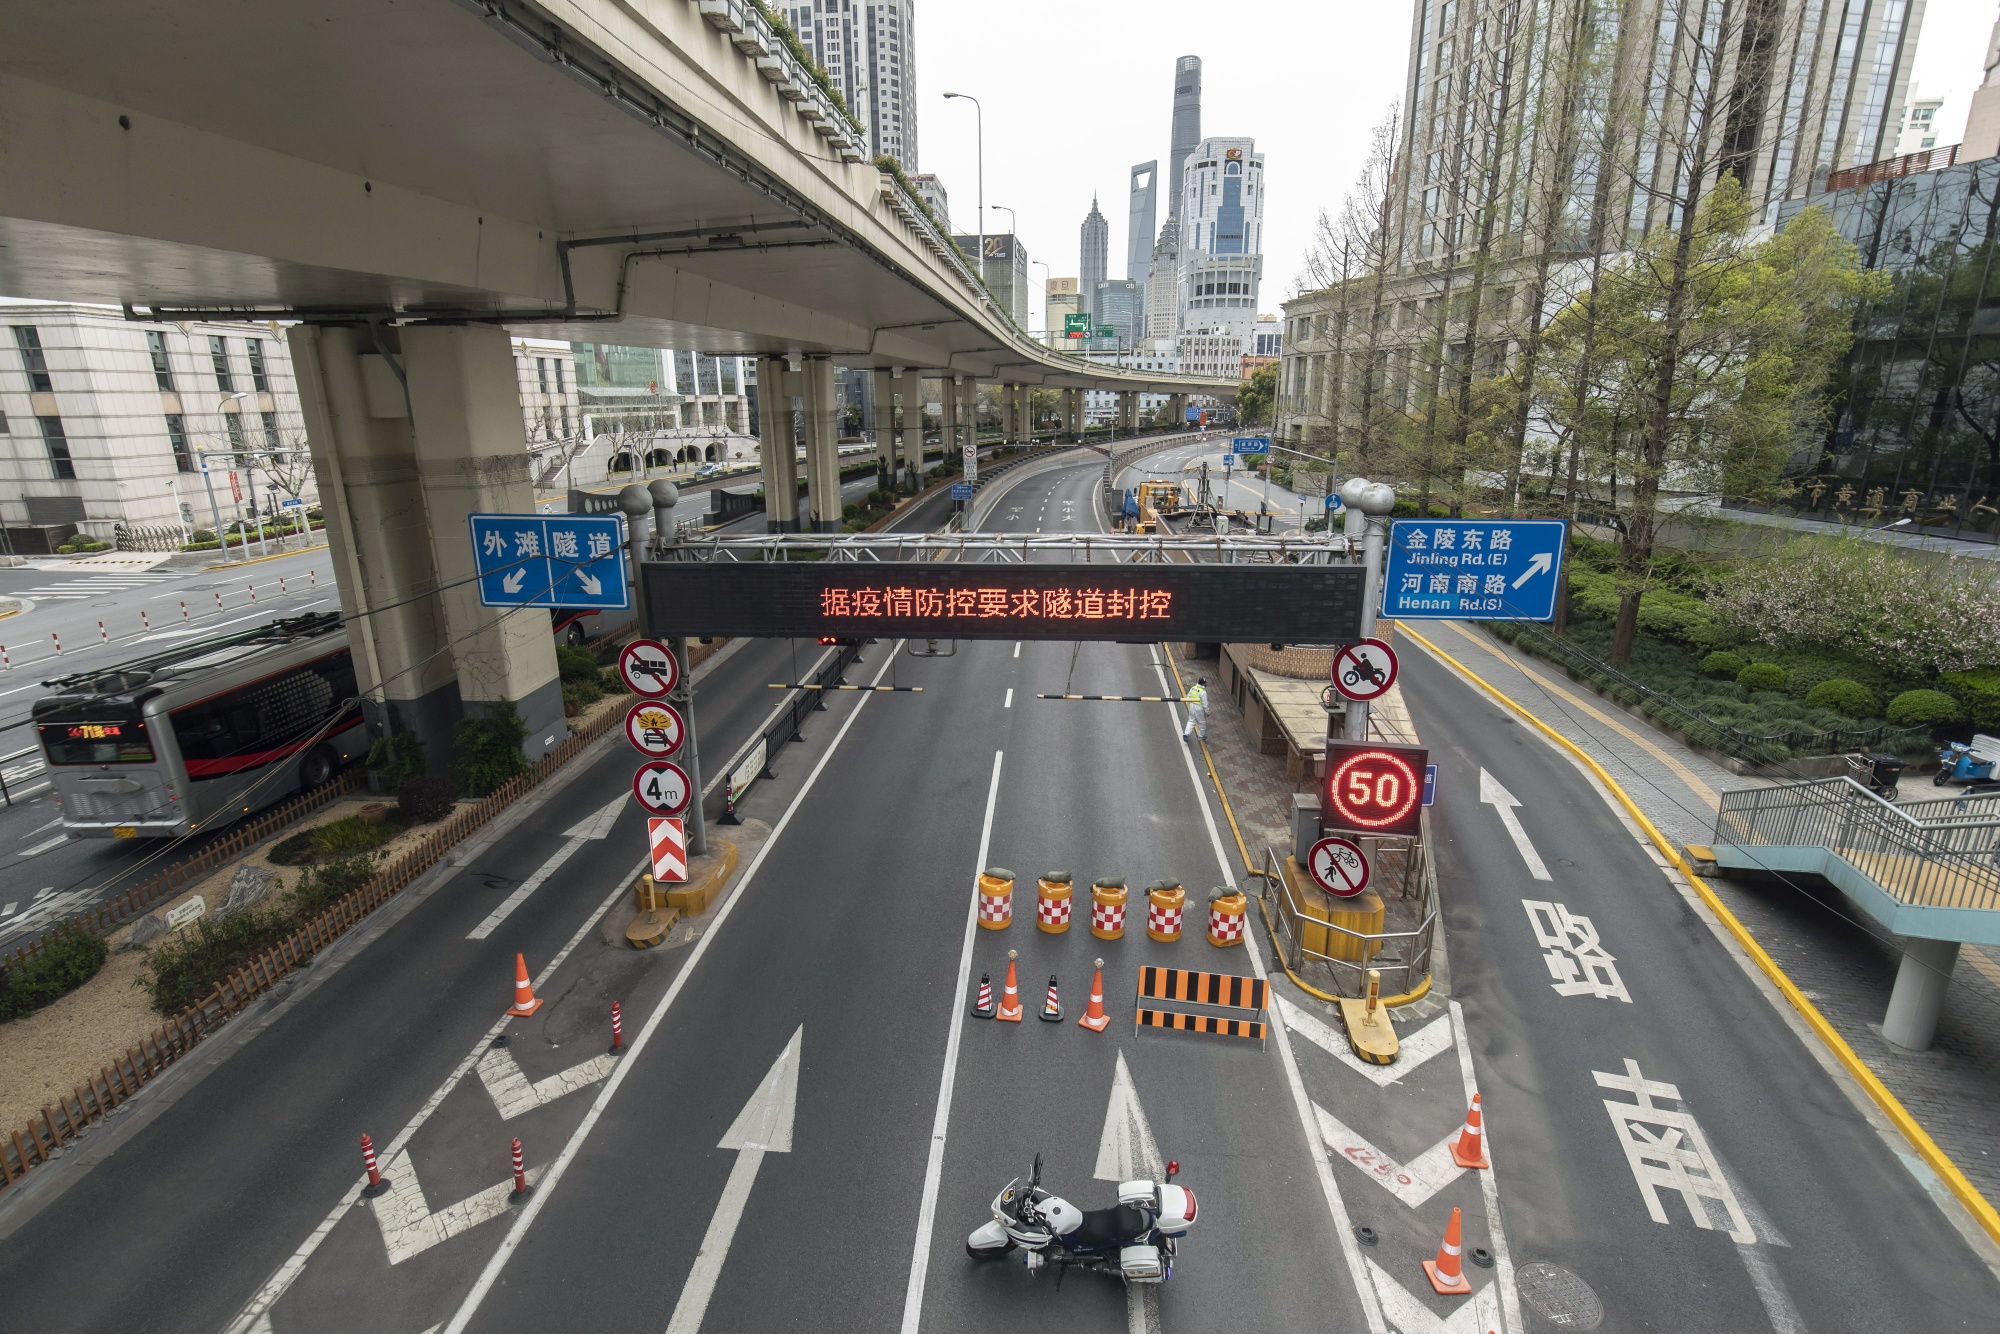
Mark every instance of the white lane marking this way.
pixel 8 911
pixel 1503 803
pixel 411 1227
pixel 1336 1204
pixel 498 1261
pixel 1778 1308
pixel 1410 1316
pixel 920 1256
pixel 40 827
pixel 1419 1047
pixel 253 1312
pixel 1017 648
pixel 507 1084
pixel 1126 1149
pixel 1412 1182
pixel 1489 1188
pixel 1008 703
pixel 1667 1150
pixel 1575 957
pixel 41 848
pixel 594 826
pixel 32 685
pixel 763 1126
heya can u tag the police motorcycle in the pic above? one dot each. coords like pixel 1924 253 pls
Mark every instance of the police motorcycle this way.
pixel 1971 764
pixel 1133 1240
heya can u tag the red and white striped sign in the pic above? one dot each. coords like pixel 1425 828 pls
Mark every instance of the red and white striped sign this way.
pixel 670 850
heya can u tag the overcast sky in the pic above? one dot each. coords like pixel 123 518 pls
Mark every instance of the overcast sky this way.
pixel 1076 93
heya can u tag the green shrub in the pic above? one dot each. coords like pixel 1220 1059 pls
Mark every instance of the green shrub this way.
pixel 1762 676
pixel 320 887
pixel 426 797
pixel 578 696
pixel 575 666
pixel 69 958
pixel 1922 708
pixel 203 535
pixel 188 965
pixel 1844 697
pixel 1977 692
pixel 1723 663
pixel 486 752
pixel 396 759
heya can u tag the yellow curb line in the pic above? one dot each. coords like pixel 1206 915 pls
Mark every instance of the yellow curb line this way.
pixel 1919 1139
pixel 1402 998
pixel 259 560
pixel 14 612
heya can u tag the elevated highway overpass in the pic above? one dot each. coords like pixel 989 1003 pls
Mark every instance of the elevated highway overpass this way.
pixel 404 182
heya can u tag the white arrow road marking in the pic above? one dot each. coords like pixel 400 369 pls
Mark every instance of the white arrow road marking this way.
pixel 1419 1047
pixel 1127 1151
pixel 1503 803
pixel 1540 563
pixel 763 1126
pixel 1413 1182
pixel 512 582
pixel 513 1094
pixel 41 848
pixel 409 1225
pixel 590 827
pixel 1408 1315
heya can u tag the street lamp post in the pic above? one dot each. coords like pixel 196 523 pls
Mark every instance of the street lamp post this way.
pixel 979 122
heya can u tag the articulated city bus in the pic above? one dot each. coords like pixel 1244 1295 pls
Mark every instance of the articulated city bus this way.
pixel 203 733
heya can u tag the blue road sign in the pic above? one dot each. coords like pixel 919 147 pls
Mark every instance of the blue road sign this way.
pixel 549 560
pixel 1250 444
pixel 1333 505
pixel 1430 784
pixel 1229 459
pixel 1473 569
pixel 1194 414
pixel 961 490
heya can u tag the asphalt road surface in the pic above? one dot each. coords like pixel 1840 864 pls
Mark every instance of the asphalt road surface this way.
pixel 804 1123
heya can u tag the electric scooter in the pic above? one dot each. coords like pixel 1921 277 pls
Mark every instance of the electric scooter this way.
pixel 1969 765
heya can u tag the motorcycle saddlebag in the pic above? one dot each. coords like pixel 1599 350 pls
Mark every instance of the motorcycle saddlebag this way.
pixel 1141 1264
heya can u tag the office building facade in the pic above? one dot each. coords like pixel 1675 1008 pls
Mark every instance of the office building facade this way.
pixel 868 49
pixel 1115 312
pixel 1004 267
pixel 1095 255
pixel 931 190
pixel 1060 300
pixel 1221 265
pixel 1141 221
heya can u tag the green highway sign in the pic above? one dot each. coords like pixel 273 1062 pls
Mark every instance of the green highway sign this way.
pixel 1076 325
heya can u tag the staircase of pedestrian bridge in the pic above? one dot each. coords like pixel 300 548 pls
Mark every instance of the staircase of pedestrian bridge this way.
pixel 1927 871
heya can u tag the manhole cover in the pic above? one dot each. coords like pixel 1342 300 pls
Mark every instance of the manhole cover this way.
pixel 1559 1297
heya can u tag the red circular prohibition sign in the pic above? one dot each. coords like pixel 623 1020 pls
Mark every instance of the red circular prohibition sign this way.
pixel 1376 790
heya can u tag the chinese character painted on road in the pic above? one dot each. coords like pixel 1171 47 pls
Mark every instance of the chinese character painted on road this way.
pixel 1667 1151
pixel 1576 959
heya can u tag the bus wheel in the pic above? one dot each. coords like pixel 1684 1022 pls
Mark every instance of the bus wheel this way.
pixel 574 636
pixel 317 768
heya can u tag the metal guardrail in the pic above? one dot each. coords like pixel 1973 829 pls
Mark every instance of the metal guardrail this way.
pixel 753 759
pixel 1952 861
pixel 1402 957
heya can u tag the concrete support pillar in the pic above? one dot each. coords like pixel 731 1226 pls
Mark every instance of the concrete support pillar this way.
pixel 1024 412
pixel 1918 997
pixel 1009 425
pixel 912 394
pixel 778 449
pixel 948 417
pixel 1073 406
pixel 822 412
pixel 968 413
pixel 364 458
pixel 1177 409
pixel 882 387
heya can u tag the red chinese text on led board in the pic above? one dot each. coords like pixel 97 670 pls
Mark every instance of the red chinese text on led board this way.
pixel 1090 604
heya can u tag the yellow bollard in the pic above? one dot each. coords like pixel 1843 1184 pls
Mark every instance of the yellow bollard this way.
pixel 996 898
pixel 1052 902
pixel 1166 902
pixel 1226 911
pixel 1107 908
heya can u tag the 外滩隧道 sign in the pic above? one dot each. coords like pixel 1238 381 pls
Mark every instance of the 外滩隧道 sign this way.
pixel 1200 602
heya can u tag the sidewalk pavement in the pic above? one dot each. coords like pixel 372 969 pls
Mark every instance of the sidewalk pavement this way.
pixel 1845 964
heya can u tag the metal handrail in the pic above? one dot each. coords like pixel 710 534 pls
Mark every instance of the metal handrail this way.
pixel 1945 863
pixel 1402 957
pixel 1116 548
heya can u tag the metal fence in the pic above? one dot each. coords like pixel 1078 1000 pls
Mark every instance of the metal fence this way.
pixel 1402 957
pixel 1949 860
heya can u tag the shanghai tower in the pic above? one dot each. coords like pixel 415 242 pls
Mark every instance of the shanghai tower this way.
pixel 1187 126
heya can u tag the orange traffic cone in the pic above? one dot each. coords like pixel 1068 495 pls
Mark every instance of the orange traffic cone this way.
pixel 1094 1017
pixel 1010 997
pixel 525 1003
pixel 1469 1149
pixel 1443 1271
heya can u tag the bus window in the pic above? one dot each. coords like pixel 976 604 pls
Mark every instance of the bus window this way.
pixel 123 742
pixel 258 721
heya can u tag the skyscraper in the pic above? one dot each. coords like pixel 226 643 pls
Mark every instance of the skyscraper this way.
pixel 1141 219
pixel 1163 308
pixel 868 50
pixel 1096 255
pixel 1187 126
pixel 1222 252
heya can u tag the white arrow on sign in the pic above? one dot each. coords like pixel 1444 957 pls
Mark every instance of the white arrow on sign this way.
pixel 1539 563
pixel 584 830
pixel 591 583
pixel 1503 802
pixel 512 582
pixel 763 1126
pixel 1126 1151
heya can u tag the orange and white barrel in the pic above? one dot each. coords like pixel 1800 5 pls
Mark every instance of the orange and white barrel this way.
pixel 1165 902
pixel 1227 910
pixel 1052 902
pixel 1107 909
pixel 996 898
